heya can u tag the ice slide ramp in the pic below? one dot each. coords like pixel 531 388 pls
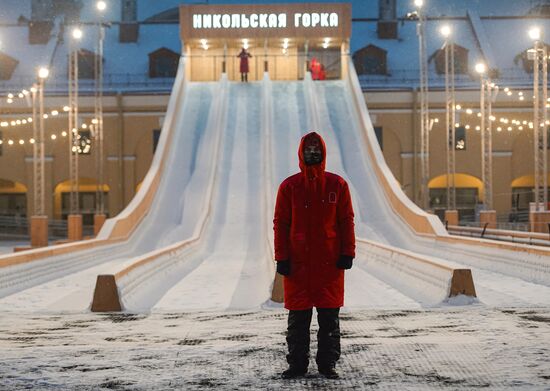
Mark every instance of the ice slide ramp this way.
pixel 159 215
pixel 225 263
pixel 385 215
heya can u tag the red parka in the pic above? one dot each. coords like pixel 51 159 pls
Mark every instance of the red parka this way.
pixel 244 55
pixel 315 69
pixel 313 226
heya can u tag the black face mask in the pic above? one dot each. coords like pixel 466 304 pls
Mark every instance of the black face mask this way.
pixel 312 155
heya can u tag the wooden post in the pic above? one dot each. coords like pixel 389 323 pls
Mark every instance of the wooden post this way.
pixel 451 217
pixel 74 227
pixel 462 283
pixel 39 231
pixel 106 298
pixel 539 221
pixel 488 216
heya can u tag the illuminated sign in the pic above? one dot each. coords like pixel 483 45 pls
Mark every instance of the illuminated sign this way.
pixel 244 21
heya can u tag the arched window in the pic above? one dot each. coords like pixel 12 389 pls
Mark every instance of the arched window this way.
pixel 86 64
pixel 371 60
pixel 461 60
pixel 163 63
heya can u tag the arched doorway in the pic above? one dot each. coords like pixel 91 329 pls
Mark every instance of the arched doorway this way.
pixel 13 198
pixel 469 193
pixel 87 188
pixel 523 193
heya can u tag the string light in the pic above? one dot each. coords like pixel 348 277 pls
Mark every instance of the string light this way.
pixel 53 137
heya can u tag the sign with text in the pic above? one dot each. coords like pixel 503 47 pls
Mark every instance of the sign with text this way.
pixel 307 20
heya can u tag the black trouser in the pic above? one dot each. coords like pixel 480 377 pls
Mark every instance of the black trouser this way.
pixel 328 337
pixel 244 76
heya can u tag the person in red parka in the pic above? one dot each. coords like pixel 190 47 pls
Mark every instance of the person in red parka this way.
pixel 243 68
pixel 315 68
pixel 314 243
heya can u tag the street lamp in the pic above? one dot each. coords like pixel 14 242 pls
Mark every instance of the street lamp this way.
pixel 450 115
pixel 534 33
pixel 99 217
pixel 480 68
pixel 485 103
pixel 424 110
pixel 540 92
pixel 74 219
pixel 39 220
pixel 77 33
pixel 101 5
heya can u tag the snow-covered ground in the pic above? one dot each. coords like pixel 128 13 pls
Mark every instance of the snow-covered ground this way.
pixel 466 348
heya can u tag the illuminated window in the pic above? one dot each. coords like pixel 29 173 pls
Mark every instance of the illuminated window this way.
pixel 460 138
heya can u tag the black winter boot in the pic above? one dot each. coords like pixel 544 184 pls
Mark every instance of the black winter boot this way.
pixel 293 372
pixel 298 342
pixel 329 372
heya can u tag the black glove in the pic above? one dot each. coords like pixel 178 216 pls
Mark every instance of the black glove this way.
pixel 283 268
pixel 345 262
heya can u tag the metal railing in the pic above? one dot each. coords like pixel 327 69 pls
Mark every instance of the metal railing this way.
pixel 113 82
pixel 17 227
pixel 395 78
pixel 501 234
pixel 211 65
pixel 411 78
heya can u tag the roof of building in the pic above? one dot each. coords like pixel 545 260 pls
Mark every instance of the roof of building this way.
pixel 500 33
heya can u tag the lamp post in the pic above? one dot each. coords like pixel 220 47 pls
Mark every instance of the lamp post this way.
pixel 486 96
pixel 74 220
pixel 424 110
pixel 539 54
pixel 39 221
pixel 99 217
pixel 450 116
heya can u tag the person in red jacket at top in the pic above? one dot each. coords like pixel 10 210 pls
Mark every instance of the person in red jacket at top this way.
pixel 314 244
pixel 243 68
pixel 315 68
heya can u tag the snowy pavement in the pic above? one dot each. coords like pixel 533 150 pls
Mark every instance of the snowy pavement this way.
pixel 446 348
